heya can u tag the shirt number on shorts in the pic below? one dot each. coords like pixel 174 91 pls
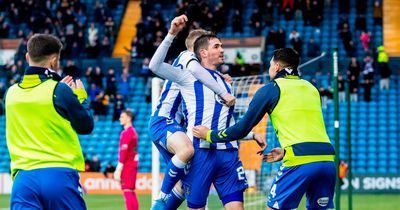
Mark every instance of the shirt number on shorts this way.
pixel 273 191
pixel 241 173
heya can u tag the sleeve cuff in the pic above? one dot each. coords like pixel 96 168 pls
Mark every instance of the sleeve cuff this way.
pixel 169 37
pixel 81 94
pixel 208 137
pixel 249 136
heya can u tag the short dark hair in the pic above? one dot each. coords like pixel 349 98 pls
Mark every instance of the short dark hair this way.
pixel 288 57
pixel 129 113
pixel 41 46
pixel 202 43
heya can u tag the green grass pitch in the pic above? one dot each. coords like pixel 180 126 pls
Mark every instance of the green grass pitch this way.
pixel 116 202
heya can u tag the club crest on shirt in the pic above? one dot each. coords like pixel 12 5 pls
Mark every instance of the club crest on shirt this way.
pixel 219 100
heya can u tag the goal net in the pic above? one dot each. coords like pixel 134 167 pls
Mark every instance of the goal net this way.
pixel 259 174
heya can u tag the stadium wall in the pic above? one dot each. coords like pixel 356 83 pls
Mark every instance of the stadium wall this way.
pixel 97 183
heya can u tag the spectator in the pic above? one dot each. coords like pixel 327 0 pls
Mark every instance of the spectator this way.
pixel 110 168
pixel 353 85
pixel 313 49
pixel 269 18
pixel 280 39
pixel 361 23
pixel 71 69
pixel 384 69
pixel 296 41
pixel 92 47
pixel 288 9
pixel 342 171
pixel 316 14
pixel 87 163
pixel 95 164
pixel 123 85
pixel 271 37
pixel 377 13
pixel 294 34
pixel 307 11
pixel 119 105
pixel 255 21
pixel 109 27
pixel 111 88
pixel 354 68
pixel 365 39
pixel 88 75
pixel 4 30
pixel 298 6
pixel 345 35
pixel 237 25
pixel 105 47
pixel 368 73
pixel 96 77
pixel 326 95
pixel 93 92
pixel 350 49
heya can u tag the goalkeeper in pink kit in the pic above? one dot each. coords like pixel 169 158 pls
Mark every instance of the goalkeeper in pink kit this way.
pixel 128 160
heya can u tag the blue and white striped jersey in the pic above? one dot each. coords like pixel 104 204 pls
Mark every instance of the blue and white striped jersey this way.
pixel 201 106
pixel 169 104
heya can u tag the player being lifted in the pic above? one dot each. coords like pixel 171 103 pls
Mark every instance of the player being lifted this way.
pixel 294 107
pixel 165 125
pixel 214 163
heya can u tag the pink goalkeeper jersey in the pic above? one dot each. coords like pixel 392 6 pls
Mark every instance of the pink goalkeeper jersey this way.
pixel 128 147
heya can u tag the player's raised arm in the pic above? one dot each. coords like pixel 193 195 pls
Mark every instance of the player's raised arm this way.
pixel 200 73
pixel 157 64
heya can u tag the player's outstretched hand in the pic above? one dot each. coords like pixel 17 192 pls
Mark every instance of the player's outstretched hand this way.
pixel 200 131
pixel 229 99
pixel 276 154
pixel 68 80
pixel 177 24
pixel 260 139
pixel 79 84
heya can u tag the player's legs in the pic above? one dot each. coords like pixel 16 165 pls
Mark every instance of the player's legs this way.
pixel 176 197
pixel 197 183
pixel 179 144
pixel 230 179
pixel 169 138
pixel 322 185
pixel 288 188
pixel 233 201
pixel 128 185
pixel 131 201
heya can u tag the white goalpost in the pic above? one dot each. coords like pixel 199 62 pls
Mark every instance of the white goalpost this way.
pixel 156 86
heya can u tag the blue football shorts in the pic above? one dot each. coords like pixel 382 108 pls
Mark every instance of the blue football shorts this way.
pixel 222 168
pixel 47 188
pixel 160 128
pixel 316 180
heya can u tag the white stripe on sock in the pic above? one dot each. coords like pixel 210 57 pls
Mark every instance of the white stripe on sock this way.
pixel 177 162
